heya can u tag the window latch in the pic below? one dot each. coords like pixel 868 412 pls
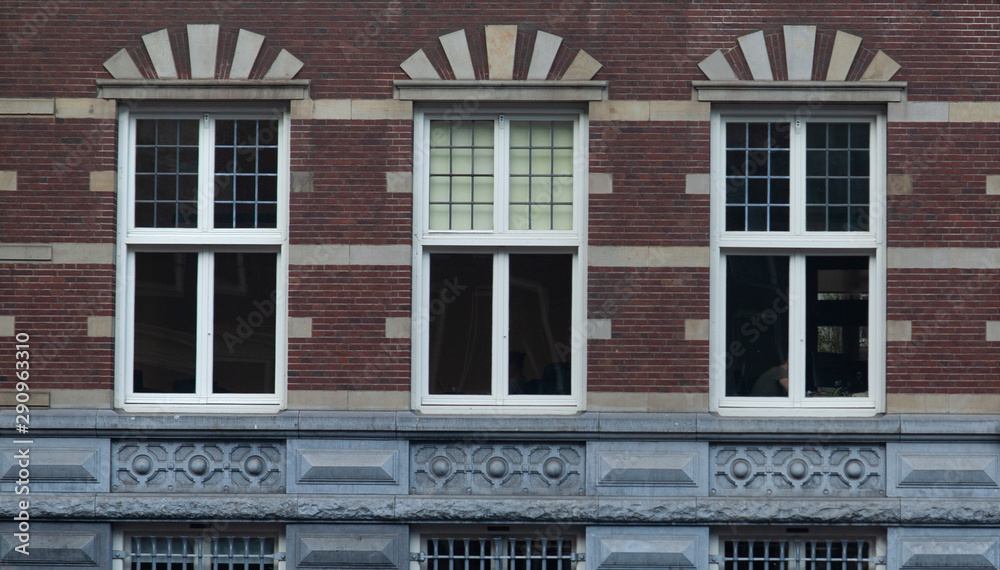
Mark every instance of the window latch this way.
pixel 206 121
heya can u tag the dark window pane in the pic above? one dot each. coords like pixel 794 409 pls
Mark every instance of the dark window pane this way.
pixel 244 323
pixel 166 132
pixel 145 214
pixel 187 188
pixel 541 288
pixel 165 321
pixel 145 187
pixel 859 135
pixel 223 215
pixel 757 219
pixel 225 132
pixel 779 191
pixel 815 191
pixel 225 190
pixel 267 161
pixel 815 218
pixel 267 188
pixel 460 311
pixel 166 215
pixel 145 159
pixel 836 325
pixel 815 163
pixel 736 218
pixel 736 191
pixel 859 163
pixel 757 191
pixel 166 188
pixel 843 170
pixel 816 135
pixel 859 191
pixel 187 214
pixel 246 188
pixel 246 160
pixel 859 219
pixel 838 219
pixel 756 325
pixel 779 218
pixel 188 133
pixel 187 159
pixel 267 216
pixel 837 191
pixel 780 135
pixel 759 135
pixel 837 163
pixel 779 163
pixel 225 159
pixel 246 133
pixel 736 135
pixel 736 164
pixel 145 132
pixel 837 135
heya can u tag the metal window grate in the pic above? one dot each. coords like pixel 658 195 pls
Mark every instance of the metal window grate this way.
pixel 799 555
pixel 197 553
pixel 498 553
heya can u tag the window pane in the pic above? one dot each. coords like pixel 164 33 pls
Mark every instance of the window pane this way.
pixel 246 156
pixel 461 159
pixel 460 315
pixel 244 323
pixel 756 325
pixel 837 325
pixel 165 324
pixel 541 158
pixel 757 173
pixel 837 159
pixel 541 288
pixel 166 154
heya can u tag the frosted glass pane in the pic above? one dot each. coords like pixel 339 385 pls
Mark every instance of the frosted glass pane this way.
pixel 518 217
pixel 461 134
pixel 438 216
pixel 440 159
pixel 439 188
pixel 562 161
pixel 440 133
pixel 519 189
pixel 562 132
pixel 541 217
pixel 562 189
pixel 461 161
pixel 519 133
pixel 483 158
pixel 483 190
pixel 541 133
pixel 562 217
pixel 461 217
pixel 541 190
pixel 483 217
pixel 519 161
pixel 541 161
pixel 483 133
pixel 461 189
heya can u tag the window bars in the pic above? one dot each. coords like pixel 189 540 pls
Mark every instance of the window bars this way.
pixel 798 555
pixel 498 553
pixel 197 553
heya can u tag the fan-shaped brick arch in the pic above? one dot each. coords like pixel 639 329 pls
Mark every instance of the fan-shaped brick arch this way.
pixel 753 60
pixel 243 61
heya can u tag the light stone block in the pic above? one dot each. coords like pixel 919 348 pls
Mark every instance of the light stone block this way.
pixel 634 547
pixel 755 52
pixel 285 66
pixel 971 404
pixel 918 112
pixel 696 329
pixel 618 256
pixel 85 109
pixel 39 398
pixel 397 327
pixel 8 180
pixel 845 47
pixel 203 46
pixel 100 326
pixel 8 325
pixel 378 400
pixel 331 109
pixel 599 183
pixel 379 255
pixel 456 49
pixel 943 470
pixel 121 66
pixel 992 184
pixel 316 254
pixel 368 546
pixel 717 68
pixel 304 110
pixel 81 399
pixel 583 68
pixel 317 399
pixel 800 41
pixel 301 182
pixel 15 252
pixel 544 53
pixel 103 180
pixel 640 256
pixel 678 256
pixel 916 403
pixel 27 106
pixel 399 182
pixel 993 331
pixel 617 402
pixel 348 466
pixel 161 54
pixel 647 468
pixel 599 329
pixel 81 253
pixel 680 111
pixel 381 110
pixel 943 548
pixel 57 545
pixel 678 402
pixel 418 66
pixel 500 42
pixel 247 47
pixel 899 331
pixel 881 68
pixel 917 257
pixel 899 184
pixel 974 112
pixel 619 111
pixel 300 327
pixel 700 183
pixel 59 465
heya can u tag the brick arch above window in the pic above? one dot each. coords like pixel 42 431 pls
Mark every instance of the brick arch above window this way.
pixel 501 62
pixel 202 61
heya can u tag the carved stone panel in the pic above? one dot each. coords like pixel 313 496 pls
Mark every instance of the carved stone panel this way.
pixel 647 468
pixel 72 465
pixel 367 547
pixel 944 470
pixel 631 547
pixel 797 470
pixel 913 548
pixel 347 466
pixel 198 467
pixel 56 546
pixel 497 468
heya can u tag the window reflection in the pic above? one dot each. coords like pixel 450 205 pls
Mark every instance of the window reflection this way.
pixel 757 325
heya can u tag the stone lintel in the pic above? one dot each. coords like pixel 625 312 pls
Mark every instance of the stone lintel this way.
pixel 484 90
pixel 800 91
pixel 204 89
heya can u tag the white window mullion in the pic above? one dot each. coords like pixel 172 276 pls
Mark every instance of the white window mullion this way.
pixel 205 336
pixel 797 327
pixel 501 173
pixel 797 177
pixel 206 174
pixel 501 326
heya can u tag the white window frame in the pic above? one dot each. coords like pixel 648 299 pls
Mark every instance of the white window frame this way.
pixel 203 240
pixel 798 243
pixel 501 242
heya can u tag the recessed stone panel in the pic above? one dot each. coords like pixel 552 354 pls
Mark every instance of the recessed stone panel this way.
pixel 348 466
pixel 368 547
pixel 55 465
pixel 647 468
pixel 56 546
pixel 944 470
pixel 942 548
pixel 198 467
pixel 629 548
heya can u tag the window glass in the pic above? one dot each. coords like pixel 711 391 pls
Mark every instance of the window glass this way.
pixel 461 175
pixel 541 175
pixel 244 323
pixel 166 173
pixel 246 173
pixel 757 177
pixel 837 325
pixel 837 176
pixel 757 325
pixel 540 320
